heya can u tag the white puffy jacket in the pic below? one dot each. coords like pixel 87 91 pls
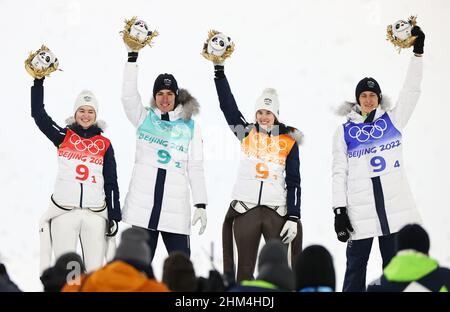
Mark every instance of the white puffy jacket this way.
pixel 368 169
pixel 175 146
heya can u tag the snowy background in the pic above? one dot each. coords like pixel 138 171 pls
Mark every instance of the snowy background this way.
pixel 312 52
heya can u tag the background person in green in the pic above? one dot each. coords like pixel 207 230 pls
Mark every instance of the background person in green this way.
pixel 412 269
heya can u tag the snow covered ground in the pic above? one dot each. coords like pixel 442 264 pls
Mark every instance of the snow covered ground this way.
pixel 312 52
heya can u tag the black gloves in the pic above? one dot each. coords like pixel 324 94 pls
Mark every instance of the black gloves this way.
pixel 342 224
pixel 219 71
pixel 132 57
pixel 112 228
pixel 420 40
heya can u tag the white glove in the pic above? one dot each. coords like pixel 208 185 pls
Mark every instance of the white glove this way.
pixel 288 232
pixel 200 214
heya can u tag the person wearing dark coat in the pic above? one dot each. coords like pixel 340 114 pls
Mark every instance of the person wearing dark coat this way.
pixel 314 270
pixel 6 284
pixel 412 269
pixel 68 266
pixel 274 273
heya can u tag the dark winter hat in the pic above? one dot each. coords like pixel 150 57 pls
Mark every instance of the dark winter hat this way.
pixel 165 82
pixel 55 278
pixel 273 265
pixel 368 84
pixel 413 236
pixel 134 247
pixel 314 268
pixel 178 272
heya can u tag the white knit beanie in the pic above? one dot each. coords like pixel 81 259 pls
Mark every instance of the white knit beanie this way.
pixel 87 98
pixel 268 100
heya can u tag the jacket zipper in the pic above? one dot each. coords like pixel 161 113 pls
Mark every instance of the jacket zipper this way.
pixel 257 155
pixel 81 195
pixel 260 193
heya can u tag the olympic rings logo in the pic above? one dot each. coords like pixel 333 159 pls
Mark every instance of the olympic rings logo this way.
pixel 82 145
pixel 174 130
pixel 160 125
pixel 364 133
pixel 179 131
pixel 274 147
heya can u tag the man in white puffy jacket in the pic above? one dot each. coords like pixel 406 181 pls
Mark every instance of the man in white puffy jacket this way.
pixel 168 161
pixel 371 196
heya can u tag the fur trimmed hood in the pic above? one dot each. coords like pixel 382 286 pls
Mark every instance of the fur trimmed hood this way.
pixel 294 133
pixel 101 124
pixel 297 135
pixel 348 106
pixel 190 105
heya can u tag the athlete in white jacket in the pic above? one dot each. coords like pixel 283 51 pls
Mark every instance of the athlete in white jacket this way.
pixel 168 162
pixel 267 193
pixel 85 202
pixel 371 196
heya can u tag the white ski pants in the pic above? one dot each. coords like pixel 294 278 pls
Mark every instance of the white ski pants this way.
pixel 83 225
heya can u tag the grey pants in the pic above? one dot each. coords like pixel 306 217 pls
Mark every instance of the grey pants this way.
pixel 247 229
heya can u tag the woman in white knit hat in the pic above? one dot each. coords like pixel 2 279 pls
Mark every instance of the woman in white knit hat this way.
pixel 85 203
pixel 266 195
